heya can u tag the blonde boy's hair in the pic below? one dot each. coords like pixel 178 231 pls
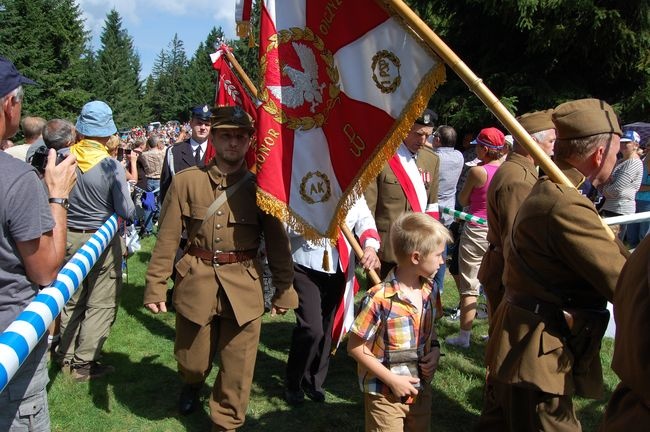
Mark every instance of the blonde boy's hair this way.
pixel 417 232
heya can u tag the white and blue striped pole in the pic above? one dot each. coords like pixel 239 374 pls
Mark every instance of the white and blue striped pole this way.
pixel 20 338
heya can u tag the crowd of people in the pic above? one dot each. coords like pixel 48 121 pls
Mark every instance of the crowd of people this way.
pixel 545 262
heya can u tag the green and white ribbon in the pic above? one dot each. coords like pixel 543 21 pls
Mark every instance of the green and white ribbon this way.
pixel 464 216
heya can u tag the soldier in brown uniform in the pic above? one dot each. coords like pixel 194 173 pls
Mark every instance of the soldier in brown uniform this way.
pixel 561 270
pixel 218 291
pixel 629 408
pixel 418 168
pixel 509 187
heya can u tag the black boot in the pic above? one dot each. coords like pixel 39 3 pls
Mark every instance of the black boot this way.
pixel 188 401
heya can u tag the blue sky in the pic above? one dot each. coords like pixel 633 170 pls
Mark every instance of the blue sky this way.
pixel 152 23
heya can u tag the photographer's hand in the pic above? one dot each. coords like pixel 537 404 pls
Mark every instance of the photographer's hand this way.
pixel 61 178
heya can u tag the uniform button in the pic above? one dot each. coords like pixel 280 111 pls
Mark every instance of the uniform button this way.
pixel 218 226
pixel 243 219
pixel 217 240
pixel 219 213
pixel 216 264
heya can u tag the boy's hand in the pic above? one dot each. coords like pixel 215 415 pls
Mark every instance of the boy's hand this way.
pixel 402 386
pixel 429 364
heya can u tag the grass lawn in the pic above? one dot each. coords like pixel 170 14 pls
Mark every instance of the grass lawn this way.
pixel 141 395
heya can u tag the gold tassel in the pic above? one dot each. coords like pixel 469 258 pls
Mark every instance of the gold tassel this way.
pixel 243 29
pixel 326 260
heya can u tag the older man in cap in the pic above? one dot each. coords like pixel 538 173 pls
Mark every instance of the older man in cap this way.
pixel 186 153
pixel 408 182
pixel 32 247
pixel 218 293
pixel 509 187
pixel 561 270
pixel 101 190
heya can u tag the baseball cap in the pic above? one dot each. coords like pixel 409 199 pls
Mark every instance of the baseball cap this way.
pixel 631 136
pixel 96 120
pixel 10 78
pixel 231 117
pixel 491 138
pixel 202 112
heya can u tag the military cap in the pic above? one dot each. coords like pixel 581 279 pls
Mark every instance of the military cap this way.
pixel 10 78
pixel 583 118
pixel 231 117
pixel 201 112
pixel 428 118
pixel 537 121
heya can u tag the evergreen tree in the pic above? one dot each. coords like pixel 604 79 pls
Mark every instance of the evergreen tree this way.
pixel 117 73
pixel 46 41
pixel 538 53
pixel 201 76
pixel 167 90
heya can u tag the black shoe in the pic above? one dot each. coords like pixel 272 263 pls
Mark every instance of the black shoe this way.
pixel 188 401
pixel 315 395
pixel 294 397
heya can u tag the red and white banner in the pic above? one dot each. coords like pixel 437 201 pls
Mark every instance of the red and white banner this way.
pixel 344 316
pixel 243 10
pixel 342 83
pixel 230 92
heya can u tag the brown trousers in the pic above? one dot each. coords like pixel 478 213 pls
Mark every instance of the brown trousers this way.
pixel 236 345
pixel 625 412
pixel 507 407
pixel 389 414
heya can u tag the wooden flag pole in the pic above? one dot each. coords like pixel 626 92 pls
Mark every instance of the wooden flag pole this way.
pixel 247 81
pixel 477 86
pixel 358 251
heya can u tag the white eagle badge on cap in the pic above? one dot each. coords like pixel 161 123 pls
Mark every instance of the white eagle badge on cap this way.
pixel 238 112
pixel 205 108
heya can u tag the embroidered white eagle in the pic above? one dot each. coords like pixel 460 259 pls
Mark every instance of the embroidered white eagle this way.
pixel 305 86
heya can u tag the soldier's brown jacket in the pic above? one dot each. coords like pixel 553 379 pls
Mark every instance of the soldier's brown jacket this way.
pixel 386 199
pixel 559 235
pixel 236 226
pixel 509 187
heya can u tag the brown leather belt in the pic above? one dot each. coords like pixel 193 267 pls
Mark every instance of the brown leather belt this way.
pixel 82 231
pixel 219 257
pixel 548 311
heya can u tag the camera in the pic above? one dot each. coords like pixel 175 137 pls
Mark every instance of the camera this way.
pixel 39 160
pixel 121 152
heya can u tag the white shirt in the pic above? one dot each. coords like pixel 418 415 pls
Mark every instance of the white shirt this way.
pixel 203 146
pixel 408 162
pixel 310 254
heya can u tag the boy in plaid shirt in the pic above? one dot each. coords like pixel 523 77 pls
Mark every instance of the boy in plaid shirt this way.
pixel 393 338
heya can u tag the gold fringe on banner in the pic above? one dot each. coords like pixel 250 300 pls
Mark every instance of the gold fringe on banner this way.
pixel 416 105
pixel 243 29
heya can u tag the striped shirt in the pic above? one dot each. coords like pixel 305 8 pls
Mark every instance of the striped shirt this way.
pixel 620 190
pixel 388 318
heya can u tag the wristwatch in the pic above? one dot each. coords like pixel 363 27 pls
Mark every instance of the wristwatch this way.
pixel 61 201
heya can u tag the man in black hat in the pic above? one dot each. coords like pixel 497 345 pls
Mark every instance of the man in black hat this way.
pixel 408 182
pixel 187 153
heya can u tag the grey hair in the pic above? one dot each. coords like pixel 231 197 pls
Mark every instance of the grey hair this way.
pixel 58 133
pixel 580 148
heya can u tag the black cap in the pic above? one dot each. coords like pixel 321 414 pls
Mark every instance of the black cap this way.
pixel 10 78
pixel 428 118
pixel 202 112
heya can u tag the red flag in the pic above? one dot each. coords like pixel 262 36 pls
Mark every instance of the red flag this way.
pixel 230 92
pixel 342 85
